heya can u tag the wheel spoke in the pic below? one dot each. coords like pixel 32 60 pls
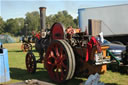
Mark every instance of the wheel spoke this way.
pixel 56 50
pixel 51 66
pixel 52 55
pixel 48 59
pixel 49 63
pixel 61 54
pixel 64 66
pixel 63 57
pixel 22 46
pixel 51 72
pixel 57 73
pixel 62 74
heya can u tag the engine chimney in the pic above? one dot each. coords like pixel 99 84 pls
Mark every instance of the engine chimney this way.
pixel 43 18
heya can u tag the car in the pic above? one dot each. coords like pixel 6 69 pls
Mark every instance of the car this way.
pixel 125 56
pixel 115 49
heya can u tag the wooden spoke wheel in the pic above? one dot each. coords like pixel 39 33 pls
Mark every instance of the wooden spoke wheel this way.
pixel 26 47
pixel 30 62
pixel 60 61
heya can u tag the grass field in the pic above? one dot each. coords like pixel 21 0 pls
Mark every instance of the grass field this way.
pixel 18 71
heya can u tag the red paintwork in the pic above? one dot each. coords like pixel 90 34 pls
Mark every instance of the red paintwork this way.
pixel 70 30
pixel 56 62
pixel 91 43
pixel 57 29
pixel 28 62
pixel 38 36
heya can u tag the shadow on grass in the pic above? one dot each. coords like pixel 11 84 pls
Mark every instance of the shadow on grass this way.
pixel 22 74
pixel 120 69
pixel 21 51
pixel 15 51
pixel 111 84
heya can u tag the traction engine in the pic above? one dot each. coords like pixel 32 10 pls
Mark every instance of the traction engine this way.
pixel 67 53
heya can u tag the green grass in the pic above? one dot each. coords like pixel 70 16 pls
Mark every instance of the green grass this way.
pixel 18 71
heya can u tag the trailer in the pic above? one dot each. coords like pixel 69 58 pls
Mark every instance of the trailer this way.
pixel 113 21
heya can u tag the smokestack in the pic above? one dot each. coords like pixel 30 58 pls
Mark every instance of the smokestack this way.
pixel 43 18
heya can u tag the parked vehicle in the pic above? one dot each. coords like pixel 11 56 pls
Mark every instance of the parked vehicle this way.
pixel 125 56
pixel 116 49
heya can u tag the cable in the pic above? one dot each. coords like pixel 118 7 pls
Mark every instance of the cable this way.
pixel 108 27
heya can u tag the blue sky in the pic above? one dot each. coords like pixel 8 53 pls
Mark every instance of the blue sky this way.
pixel 18 8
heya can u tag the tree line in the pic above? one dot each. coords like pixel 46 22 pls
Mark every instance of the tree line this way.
pixel 25 26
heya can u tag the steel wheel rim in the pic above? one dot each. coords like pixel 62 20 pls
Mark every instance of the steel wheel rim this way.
pixel 72 58
pixel 56 62
pixel 30 63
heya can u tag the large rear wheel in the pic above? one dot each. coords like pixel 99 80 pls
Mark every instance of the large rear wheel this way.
pixel 60 61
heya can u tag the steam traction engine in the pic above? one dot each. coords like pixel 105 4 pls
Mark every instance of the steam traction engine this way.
pixel 67 53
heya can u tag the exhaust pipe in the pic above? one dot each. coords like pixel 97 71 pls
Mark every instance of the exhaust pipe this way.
pixel 43 18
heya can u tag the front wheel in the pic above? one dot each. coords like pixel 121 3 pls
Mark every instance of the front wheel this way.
pixel 30 62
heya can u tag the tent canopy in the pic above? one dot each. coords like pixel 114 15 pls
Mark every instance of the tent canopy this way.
pixel 6 39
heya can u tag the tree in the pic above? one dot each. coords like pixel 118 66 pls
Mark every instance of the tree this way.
pixel 20 25
pixel 10 26
pixel 14 26
pixel 32 22
pixel 62 17
pixel 2 25
pixel 76 21
pixel 49 21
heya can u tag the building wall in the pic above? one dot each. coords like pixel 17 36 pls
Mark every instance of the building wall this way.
pixel 114 18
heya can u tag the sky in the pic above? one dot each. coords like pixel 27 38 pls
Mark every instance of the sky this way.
pixel 18 8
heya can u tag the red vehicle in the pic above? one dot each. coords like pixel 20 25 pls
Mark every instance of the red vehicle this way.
pixel 65 57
